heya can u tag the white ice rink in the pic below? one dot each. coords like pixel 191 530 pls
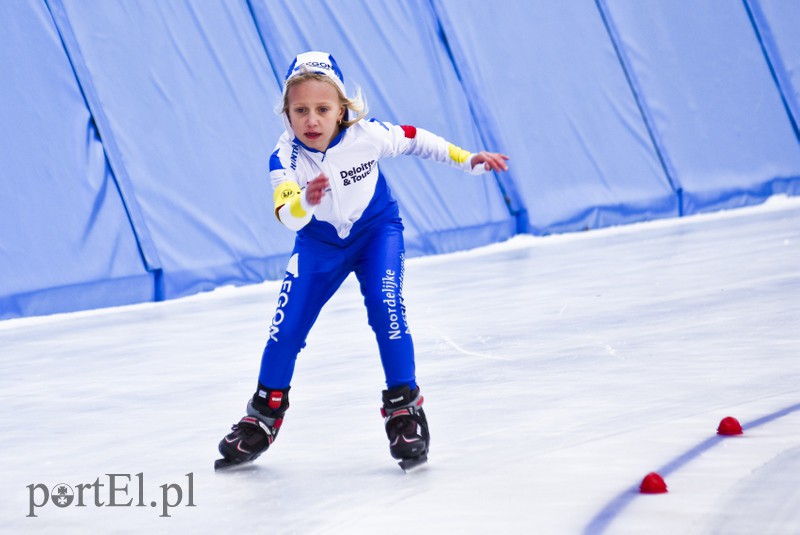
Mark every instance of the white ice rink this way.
pixel 557 372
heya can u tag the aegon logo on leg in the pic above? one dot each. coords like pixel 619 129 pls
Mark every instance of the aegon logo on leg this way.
pixel 112 493
pixel 292 270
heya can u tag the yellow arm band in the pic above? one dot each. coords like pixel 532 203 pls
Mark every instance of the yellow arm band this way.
pixel 286 192
pixel 296 208
pixel 458 154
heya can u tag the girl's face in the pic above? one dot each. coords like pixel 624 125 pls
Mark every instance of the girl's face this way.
pixel 314 113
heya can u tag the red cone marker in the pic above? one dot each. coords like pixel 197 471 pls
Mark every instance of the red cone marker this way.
pixel 653 484
pixel 729 426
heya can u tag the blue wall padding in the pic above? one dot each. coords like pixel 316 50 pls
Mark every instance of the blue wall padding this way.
pixel 715 106
pixel 393 51
pixel 188 96
pixel 136 135
pixel 548 72
pixel 777 23
pixel 65 241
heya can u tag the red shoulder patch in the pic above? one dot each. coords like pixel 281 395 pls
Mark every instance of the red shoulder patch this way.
pixel 410 131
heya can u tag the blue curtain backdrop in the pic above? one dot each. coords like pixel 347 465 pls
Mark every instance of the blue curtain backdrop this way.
pixel 562 108
pixel 65 239
pixel 703 78
pixel 136 135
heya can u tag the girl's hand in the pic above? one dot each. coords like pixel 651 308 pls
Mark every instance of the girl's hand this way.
pixel 315 189
pixel 492 161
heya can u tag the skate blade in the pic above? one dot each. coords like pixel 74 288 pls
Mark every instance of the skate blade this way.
pixel 411 464
pixel 221 465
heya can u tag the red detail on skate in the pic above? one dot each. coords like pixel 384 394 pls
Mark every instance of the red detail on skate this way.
pixel 275 400
pixel 419 403
pixel 278 424
pixel 383 412
pixel 250 420
pixel 409 131
pixel 406 440
pixel 400 412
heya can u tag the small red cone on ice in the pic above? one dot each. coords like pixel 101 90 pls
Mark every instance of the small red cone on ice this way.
pixel 653 484
pixel 729 426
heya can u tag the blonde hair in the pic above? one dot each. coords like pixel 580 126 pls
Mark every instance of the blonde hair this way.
pixel 357 104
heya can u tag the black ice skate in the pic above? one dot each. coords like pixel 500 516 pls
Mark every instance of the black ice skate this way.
pixel 255 432
pixel 406 426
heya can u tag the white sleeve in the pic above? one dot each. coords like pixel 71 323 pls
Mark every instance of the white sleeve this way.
pixel 422 143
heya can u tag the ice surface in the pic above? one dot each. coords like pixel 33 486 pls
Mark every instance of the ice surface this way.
pixel 557 373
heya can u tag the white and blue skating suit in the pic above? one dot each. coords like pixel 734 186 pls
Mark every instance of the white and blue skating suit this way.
pixel 356 228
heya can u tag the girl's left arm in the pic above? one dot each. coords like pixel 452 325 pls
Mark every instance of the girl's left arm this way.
pixel 422 143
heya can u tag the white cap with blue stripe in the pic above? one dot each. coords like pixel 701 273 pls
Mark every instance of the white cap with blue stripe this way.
pixel 319 62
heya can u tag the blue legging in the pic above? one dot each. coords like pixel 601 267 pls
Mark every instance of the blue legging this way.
pixel 316 270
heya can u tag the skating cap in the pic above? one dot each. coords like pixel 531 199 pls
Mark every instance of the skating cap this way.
pixel 319 62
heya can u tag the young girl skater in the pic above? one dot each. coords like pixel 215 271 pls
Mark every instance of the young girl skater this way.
pixel 329 189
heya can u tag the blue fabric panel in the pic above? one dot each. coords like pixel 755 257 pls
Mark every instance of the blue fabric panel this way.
pixel 136 136
pixel 777 23
pixel 488 128
pixel 715 106
pixel 118 170
pixel 550 76
pixel 65 240
pixel 394 52
pixel 188 96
